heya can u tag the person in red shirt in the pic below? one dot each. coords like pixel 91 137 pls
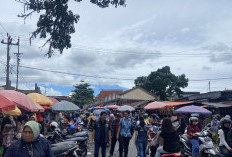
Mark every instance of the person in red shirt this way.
pixel 191 130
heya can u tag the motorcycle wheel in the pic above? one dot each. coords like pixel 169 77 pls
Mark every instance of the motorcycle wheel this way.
pixel 82 152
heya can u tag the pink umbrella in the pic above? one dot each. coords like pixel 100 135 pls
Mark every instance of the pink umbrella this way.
pixel 53 100
pixel 155 105
pixel 112 107
pixel 22 100
pixel 98 107
pixel 6 104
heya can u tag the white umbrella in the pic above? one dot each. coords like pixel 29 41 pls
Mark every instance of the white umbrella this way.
pixel 126 108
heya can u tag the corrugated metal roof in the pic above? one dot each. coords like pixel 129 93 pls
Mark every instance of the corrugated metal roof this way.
pixel 215 104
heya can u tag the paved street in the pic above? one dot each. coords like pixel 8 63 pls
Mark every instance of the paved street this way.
pixel 131 153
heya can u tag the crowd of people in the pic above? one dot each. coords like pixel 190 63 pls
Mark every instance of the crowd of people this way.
pixel 109 128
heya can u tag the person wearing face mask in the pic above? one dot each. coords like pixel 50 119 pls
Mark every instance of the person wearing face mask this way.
pixel 224 147
pixel 31 144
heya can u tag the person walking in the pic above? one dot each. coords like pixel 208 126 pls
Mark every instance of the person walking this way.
pixel 114 129
pixel 142 137
pixel 101 135
pixel 8 132
pixel 215 123
pixel 31 144
pixel 125 132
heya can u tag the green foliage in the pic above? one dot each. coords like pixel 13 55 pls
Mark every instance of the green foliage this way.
pixel 82 95
pixel 163 83
pixel 56 22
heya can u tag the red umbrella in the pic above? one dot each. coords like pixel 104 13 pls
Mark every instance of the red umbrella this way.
pixel 53 100
pixel 112 107
pixel 22 100
pixel 6 104
pixel 155 105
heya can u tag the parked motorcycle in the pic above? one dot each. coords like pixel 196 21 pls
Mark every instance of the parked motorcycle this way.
pixel 66 149
pixel 205 145
pixel 82 142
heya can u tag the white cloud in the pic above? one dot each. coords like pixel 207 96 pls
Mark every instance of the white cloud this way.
pixel 125 43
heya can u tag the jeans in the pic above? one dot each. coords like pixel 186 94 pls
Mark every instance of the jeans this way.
pixel 225 151
pixel 103 148
pixel 113 143
pixel 142 145
pixel 123 146
pixel 195 146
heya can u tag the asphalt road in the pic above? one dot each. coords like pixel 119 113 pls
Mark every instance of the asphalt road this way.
pixel 131 153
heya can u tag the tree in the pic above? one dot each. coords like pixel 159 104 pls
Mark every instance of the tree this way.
pixel 56 22
pixel 82 94
pixel 163 83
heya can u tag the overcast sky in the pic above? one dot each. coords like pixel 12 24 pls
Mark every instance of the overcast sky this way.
pixel 193 37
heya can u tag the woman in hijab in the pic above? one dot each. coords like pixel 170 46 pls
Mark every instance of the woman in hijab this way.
pixel 31 144
pixel 8 126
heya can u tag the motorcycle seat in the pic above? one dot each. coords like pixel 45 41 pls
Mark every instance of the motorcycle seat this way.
pixel 79 139
pixel 186 140
pixel 62 147
pixel 78 134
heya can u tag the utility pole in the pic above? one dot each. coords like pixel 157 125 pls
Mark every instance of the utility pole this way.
pixel 18 60
pixel 8 43
pixel 209 87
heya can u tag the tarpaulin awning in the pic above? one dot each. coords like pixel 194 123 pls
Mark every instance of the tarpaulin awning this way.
pixel 173 104
pixel 22 100
pixel 216 105
pixel 40 99
pixel 6 104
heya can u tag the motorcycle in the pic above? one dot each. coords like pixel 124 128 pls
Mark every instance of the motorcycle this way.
pixel 66 149
pixel 82 142
pixel 205 145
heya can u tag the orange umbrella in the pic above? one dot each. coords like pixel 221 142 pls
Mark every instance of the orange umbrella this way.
pixel 22 100
pixel 40 99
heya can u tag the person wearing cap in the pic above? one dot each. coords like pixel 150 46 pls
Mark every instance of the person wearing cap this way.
pixel 31 144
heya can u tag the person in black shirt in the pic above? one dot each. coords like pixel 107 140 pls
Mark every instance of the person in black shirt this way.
pixel 101 135
pixel 169 138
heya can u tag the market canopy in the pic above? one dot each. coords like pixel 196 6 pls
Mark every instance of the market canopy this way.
pixel 40 99
pixel 126 108
pixel 216 105
pixel 6 104
pixel 22 100
pixel 155 105
pixel 174 104
pixel 193 109
pixel 65 106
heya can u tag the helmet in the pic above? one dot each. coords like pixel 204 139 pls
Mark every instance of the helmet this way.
pixel 192 119
pixel 195 115
pixel 72 127
pixel 228 116
pixel 111 115
pixel 225 120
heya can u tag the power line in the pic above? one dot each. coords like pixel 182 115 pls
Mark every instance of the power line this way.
pixel 3 28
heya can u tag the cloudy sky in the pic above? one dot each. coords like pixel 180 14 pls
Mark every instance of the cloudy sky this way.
pixel 113 46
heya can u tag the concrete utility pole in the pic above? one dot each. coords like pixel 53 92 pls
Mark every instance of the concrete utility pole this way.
pixel 18 60
pixel 8 43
